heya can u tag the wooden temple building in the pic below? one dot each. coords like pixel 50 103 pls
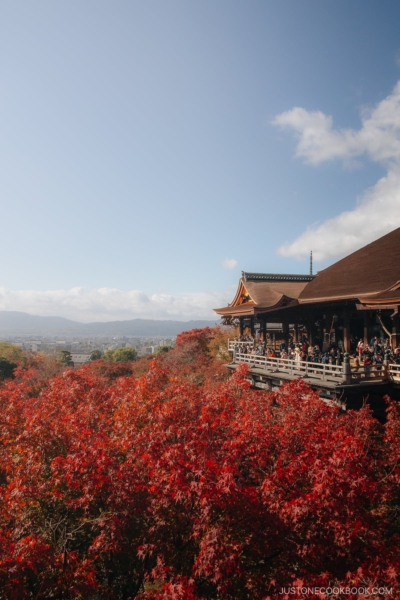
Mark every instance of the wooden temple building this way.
pixel 357 297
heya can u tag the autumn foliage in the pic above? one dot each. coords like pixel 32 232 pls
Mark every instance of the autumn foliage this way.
pixel 161 486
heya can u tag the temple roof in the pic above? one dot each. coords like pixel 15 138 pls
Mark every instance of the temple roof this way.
pixel 259 292
pixel 370 276
pixel 267 294
pixel 373 272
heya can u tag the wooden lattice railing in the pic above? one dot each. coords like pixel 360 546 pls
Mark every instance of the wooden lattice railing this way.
pixel 293 368
pixel 322 372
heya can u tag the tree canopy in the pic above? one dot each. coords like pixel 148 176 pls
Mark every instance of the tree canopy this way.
pixel 6 368
pixel 161 349
pixel 161 487
pixel 121 355
pixel 11 351
pixel 96 355
pixel 65 358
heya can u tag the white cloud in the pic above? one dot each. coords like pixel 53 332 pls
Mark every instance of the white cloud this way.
pixel 108 304
pixel 229 263
pixel 378 210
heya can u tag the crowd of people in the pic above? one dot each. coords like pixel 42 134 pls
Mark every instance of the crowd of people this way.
pixel 372 354
pixel 375 352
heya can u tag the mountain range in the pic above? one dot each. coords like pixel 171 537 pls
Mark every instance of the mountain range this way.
pixel 21 323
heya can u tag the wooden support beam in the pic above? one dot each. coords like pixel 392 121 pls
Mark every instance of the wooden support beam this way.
pixel 326 327
pixel 285 333
pixel 310 333
pixel 366 328
pixel 264 330
pixel 395 338
pixel 346 330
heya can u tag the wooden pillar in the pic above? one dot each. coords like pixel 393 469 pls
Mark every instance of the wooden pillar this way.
pixel 346 330
pixel 285 333
pixel 241 328
pixel 264 330
pixel 252 330
pixel 310 335
pixel 396 329
pixel 295 333
pixel 366 327
pixel 325 331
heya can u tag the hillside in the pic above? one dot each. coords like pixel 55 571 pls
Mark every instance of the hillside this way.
pixel 21 323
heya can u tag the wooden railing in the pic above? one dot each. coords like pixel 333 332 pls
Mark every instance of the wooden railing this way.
pixel 368 372
pixel 334 373
pixel 294 368
pixel 394 373
pixel 232 345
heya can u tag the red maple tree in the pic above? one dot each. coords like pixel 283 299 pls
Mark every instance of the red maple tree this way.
pixel 159 487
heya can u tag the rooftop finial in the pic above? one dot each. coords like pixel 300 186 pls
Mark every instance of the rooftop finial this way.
pixel 311 262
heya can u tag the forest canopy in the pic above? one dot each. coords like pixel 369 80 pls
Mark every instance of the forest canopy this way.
pixel 175 481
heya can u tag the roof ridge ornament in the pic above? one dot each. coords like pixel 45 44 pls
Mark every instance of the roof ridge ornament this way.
pixel 275 277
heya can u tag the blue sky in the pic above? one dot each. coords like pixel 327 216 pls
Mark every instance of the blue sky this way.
pixel 145 145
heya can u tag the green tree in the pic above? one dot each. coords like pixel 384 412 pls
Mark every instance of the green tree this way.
pixel 10 351
pixel 163 349
pixel 65 358
pixel 6 368
pixel 95 355
pixel 124 355
pixel 108 355
pixel 120 355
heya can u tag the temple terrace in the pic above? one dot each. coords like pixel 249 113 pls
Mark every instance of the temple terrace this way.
pixel 334 329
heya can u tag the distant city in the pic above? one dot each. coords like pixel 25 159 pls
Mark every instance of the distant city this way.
pixel 82 348
pixel 52 335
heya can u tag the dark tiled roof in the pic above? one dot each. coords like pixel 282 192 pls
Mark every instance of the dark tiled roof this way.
pixel 275 277
pixel 370 271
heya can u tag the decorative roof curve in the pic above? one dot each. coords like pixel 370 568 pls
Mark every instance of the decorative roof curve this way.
pixel 370 276
pixel 260 292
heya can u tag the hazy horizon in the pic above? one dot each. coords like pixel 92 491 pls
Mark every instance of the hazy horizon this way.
pixel 216 319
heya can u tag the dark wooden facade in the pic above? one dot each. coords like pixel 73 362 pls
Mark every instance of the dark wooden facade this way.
pixel 357 297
